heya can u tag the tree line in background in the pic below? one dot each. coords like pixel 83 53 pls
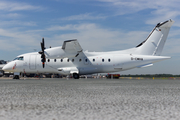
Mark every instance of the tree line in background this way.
pixel 151 75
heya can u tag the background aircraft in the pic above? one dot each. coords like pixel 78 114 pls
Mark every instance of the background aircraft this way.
pixel 71 59
pixel 2 64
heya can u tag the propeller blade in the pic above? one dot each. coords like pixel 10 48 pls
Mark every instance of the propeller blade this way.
pixel 42 47
pixel 43 41
pixel 43 64
pixel 43 57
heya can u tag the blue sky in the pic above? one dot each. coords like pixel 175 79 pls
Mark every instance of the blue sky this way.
pixel 99 25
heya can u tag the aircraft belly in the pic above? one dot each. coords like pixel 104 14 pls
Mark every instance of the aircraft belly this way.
pixel 86 70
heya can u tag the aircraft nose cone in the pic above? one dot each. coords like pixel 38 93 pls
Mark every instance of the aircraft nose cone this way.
pixel 6 68
pixel 9 67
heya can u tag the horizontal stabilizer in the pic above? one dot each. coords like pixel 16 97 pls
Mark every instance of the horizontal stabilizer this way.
pixel 146 65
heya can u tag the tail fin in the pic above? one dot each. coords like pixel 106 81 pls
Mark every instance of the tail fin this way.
pixel 154 43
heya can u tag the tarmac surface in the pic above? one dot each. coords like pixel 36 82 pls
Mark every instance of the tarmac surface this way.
pixel 89 99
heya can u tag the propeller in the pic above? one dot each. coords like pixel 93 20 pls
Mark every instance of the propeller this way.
pixel 43 57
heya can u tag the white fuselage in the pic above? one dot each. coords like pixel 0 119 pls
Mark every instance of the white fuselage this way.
pixel 88 63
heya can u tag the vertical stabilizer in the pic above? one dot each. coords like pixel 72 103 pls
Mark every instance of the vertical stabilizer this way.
pixel 154 43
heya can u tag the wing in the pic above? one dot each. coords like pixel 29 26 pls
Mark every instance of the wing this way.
pixel 72 47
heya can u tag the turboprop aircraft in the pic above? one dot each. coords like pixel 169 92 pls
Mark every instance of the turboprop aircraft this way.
pixel 71 59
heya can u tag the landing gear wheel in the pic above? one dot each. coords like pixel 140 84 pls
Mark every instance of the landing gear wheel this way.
pixel 75 76
pixel 16 77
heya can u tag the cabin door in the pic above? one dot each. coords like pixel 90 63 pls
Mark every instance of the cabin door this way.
pixel 32 62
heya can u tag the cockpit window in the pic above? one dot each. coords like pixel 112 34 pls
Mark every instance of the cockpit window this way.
pixel 19 58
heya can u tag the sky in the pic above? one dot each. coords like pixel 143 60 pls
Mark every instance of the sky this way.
pixel 98 25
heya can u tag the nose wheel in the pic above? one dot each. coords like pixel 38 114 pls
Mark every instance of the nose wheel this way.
pixel 75 76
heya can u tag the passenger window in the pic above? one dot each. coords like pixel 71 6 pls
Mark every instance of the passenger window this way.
pixel 61 60
pixel 86 60
pixel 102 60
pixel 54 60
pixel 48 60
pixel 67 60
pixel 93 60
pixel 79 60
pixel 72 60
pixel 109 60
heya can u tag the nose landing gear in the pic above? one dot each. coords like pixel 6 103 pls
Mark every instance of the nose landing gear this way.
pixel 16 75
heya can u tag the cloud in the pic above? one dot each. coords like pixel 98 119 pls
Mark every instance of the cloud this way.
pixel 77 27
pixel 7 46
pixel 12 40
pixel 55 28
pixel 17 6
pixel 90 34
pixel 18 23
pixel 126 7
pixel 86 16
pixel 12 15
pixel 160 10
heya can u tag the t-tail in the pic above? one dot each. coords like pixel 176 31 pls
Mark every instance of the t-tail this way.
pixel 154 43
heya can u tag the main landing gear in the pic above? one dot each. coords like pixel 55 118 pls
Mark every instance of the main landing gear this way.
pixel 16 77
pixel 75 76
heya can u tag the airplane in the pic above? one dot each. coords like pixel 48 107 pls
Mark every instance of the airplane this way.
pixel 2 64
pixel 70 59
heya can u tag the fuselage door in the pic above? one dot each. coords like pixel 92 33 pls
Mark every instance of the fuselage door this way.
pixel 32 62
pixel 117 63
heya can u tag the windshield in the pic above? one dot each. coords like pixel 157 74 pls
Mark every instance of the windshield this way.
pixel 19 58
